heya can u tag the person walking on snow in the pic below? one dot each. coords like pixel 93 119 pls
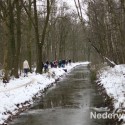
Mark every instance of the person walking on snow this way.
pixel 45 67
pixel 25 68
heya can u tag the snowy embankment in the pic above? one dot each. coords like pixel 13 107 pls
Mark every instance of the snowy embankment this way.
pixel 113 81
pixel 20 92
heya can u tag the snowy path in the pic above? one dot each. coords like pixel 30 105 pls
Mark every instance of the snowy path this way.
pixel 23 85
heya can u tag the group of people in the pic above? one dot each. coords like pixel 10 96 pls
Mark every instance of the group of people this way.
pixel 55 64
pixel 45 66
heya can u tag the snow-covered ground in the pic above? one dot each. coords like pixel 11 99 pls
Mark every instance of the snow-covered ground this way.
pixel 21 90
pixel 113 80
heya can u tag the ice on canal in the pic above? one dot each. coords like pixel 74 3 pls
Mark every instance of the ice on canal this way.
pixel 69 102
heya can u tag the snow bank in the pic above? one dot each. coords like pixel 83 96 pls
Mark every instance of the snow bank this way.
pixel 113 80
pixel 19 91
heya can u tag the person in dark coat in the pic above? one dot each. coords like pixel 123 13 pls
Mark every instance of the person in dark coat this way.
pixel 51 64
pixel 45 67
pixel 47 62
pixel 70 61
pixel 63 63
pixel 59 63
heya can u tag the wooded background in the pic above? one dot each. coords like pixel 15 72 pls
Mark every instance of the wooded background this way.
pixel 50 31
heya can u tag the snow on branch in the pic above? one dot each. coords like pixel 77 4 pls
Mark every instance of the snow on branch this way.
pixel 110 63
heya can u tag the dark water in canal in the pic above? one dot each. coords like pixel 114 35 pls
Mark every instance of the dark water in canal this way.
pixel 69 102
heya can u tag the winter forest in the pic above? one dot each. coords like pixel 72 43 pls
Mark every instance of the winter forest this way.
pixel 41 30
pixel 62 62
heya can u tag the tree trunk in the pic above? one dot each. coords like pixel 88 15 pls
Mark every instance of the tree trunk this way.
pixel 6 54
pixel 29 37
pixel 11 37
pixel 18 47
pixel 41 43
pixel 38 43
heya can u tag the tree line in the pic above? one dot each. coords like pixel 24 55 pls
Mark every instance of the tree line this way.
pixel 38 32
pixel 105 27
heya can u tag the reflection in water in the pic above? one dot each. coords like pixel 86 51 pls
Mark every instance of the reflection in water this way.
pixel 66 104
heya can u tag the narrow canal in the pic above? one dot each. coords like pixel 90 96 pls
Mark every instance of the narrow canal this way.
pixel 69 102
